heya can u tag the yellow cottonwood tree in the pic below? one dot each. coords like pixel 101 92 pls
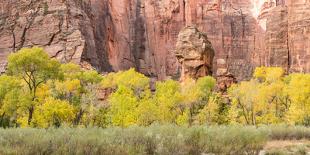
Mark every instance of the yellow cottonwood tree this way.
pixel 196 95
pixel 132 101
pixel 129 78
pixel 168 98
pixel 147 109
pixel 244 102
pixel 34 67
pixel 261 100
pixel 214 112
pixel 272 98
pixel 123 104
pixel 298 89
pixel 53 112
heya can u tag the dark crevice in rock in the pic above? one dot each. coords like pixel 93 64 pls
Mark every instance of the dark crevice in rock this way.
pixel 55 34
pixel 138 45
pixel 102 49
pixel 184 10
pixel 103 27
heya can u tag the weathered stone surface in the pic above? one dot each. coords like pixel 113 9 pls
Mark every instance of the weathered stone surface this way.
pixel 195 53
pixel 299 35
pixel 287 36
pixel 63 28
pixel 115 35
pixel 277 49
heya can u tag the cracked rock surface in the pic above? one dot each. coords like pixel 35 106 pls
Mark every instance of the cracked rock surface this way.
pixel 114 35
pixel 63 28
pixel 195 53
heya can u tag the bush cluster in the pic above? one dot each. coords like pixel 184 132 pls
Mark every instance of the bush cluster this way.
pixel 163 140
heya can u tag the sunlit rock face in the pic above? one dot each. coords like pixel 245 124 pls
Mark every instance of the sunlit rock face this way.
pixel 299 35
pixel 115 35
pixel 143 34
pixel 244 33
pixel 287 35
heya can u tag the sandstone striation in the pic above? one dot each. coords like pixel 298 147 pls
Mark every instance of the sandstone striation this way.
pixel 287 36
pixel 63 28
pixel 276 38
pixel 195 53
pixel 114 35
pixel 299 35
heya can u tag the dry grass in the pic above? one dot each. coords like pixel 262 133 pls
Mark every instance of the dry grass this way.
pixel 287 147
pixel 157 140
pixel 280 144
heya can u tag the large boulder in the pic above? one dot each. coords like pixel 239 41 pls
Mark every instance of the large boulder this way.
pixel 195 53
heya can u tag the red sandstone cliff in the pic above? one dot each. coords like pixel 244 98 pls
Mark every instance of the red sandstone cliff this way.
pixel 64 28
pixel 119 34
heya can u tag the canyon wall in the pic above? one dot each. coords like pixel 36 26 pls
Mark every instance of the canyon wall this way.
pixel 64 28
pixel 115 35
pixel 299 35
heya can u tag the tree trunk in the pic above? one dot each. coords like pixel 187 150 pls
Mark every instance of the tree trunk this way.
pixel 78 117
pixel 31 109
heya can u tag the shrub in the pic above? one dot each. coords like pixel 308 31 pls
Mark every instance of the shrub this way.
pixel 284 132
pixel 163 140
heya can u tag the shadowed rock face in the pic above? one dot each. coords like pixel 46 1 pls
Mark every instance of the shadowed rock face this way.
pixel 115 35
pixel 195 53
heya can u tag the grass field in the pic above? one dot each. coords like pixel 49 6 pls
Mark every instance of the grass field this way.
pixel 161 140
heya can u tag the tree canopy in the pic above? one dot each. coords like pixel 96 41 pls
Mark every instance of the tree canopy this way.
pixel 38 91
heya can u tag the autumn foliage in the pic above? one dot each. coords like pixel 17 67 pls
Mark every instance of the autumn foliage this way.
pixel 40 92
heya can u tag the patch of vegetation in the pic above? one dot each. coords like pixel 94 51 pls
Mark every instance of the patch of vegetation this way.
pixel 284 132
pixel 155 139
pixel 290 150
pixel 45 8
pixel 39 92
pixel 169 139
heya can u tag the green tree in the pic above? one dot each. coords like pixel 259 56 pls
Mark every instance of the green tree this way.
pixel 73 71
pixel 35 67
pixel 15 106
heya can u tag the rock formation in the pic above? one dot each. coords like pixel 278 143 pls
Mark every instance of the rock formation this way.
pixel 195 53
pixel 115 35
pixel 299 35
pixel 63 28
pixel 224 81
